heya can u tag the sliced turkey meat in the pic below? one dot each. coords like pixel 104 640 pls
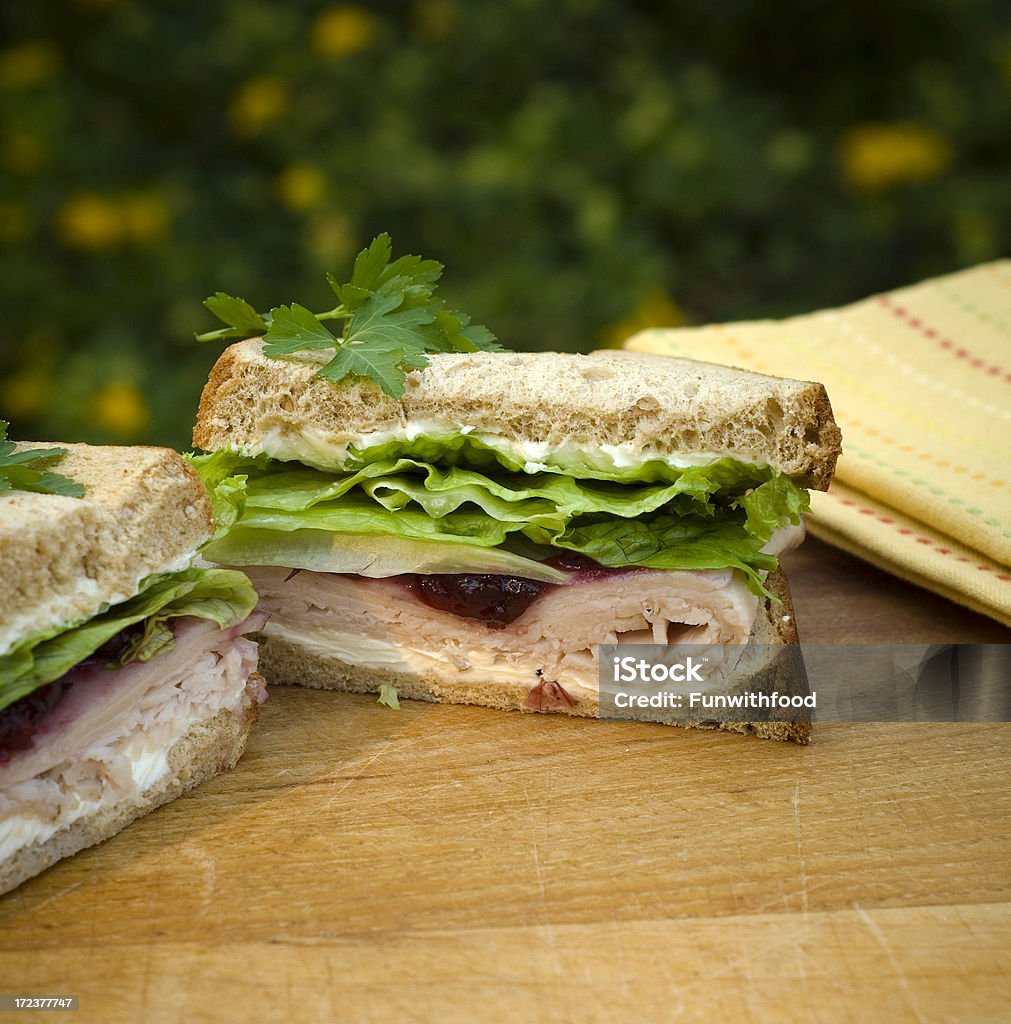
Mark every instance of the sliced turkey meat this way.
pixel 107 737
pixel 383 624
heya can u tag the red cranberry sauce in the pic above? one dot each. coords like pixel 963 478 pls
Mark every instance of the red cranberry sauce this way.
pixel 584 568
pixel 495 600
pixel 20 721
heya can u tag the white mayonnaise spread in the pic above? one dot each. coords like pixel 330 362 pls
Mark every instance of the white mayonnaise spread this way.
pixel 315 448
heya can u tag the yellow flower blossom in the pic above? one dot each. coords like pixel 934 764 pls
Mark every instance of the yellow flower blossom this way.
pixel 657 309
pixel 146 218
pixel 256 103
pixel 26 394
pixel 343 29
pixel 877 156
pixel 91 221
pixel 88 220
pixel 29 64
pixel 23 153
pixel 331 238
pixel 14 222
pixel 119 408
pixel 301 186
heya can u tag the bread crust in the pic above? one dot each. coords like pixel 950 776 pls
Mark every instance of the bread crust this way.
pixel 287 663
pixel 657 404
pixel 61 559
pixel 211 747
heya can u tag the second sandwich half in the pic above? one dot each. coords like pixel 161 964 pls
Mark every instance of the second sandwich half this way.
pixel 477 539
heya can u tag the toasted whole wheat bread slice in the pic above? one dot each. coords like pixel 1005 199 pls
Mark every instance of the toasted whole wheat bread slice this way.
pixel 658 405
pixel 61 559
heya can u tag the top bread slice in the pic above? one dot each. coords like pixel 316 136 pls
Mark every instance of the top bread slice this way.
pixel 63 559
pixel 653 404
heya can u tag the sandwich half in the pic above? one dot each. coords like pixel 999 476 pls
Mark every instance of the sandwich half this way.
pixel 476 540
pixel 125 674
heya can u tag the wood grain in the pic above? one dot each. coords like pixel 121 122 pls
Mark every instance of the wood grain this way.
pixel 458 864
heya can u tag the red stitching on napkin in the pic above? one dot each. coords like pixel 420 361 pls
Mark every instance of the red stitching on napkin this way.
pixel 928 332
pixel 905 532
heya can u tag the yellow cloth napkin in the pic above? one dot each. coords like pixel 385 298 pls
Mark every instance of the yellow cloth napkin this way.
pixel 920 382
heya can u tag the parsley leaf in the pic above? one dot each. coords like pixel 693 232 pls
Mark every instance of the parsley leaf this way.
pixel 379 360
pixel 371 262
pixel 381 320
pixel 481 338
pixel 464 336
pixel 391 319
pixel 18 474
pixel 409 272
pixel 294 328
pixel 350 295
pixel 243 321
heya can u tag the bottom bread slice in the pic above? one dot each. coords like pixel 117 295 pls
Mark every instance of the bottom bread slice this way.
pixel 210 747
pixel 290 656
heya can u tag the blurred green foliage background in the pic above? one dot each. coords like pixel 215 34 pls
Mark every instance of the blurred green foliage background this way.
pixel 583 167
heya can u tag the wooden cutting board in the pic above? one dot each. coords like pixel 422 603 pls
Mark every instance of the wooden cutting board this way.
pixel 457 864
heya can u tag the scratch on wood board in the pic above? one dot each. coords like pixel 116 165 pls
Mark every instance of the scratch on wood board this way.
pixel 799 828
pixel 882 941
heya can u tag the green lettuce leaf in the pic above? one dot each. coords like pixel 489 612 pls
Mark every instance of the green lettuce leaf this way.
pixel 669 542
pixel 223 596
pixel 491 455
pixel 388 696
pixel 225 484
pixel 360 553
pixel 699 517
pixel 768 506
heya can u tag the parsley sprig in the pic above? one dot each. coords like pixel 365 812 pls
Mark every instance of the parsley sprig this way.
pixel 391 319
pixel 17 472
